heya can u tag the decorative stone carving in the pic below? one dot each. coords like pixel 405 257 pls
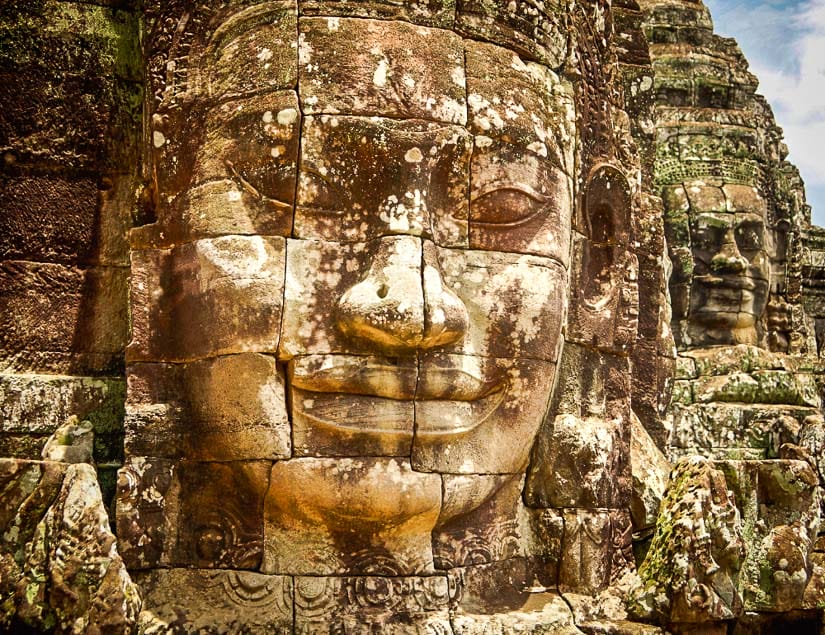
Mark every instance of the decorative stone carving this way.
pixel 778 502
pixel 348 311
pixel 178 513
pixel 691 572
pixel 393 605
pixel 59 568
pixel 214 601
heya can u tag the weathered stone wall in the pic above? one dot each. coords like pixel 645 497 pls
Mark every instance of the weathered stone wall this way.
pixel 70 85
pixel 736 537
pixel 401 349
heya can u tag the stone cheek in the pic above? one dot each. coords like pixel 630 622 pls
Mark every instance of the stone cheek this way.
pixel 199 410
pixel 486 435
pixel 209 297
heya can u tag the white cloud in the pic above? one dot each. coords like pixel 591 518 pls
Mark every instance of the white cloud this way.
pixel 785 45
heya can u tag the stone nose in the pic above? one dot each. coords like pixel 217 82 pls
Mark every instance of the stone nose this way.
pixel 728 259
pixel 402 304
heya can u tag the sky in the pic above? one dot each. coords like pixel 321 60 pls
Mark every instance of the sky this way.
pixel 784 42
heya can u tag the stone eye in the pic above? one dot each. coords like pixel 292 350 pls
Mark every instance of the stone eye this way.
pixel 749 237
pixel 708 237
pixel 319 193
pixel 507 205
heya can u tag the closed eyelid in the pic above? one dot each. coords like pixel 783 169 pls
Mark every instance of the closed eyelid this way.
pixel 518 206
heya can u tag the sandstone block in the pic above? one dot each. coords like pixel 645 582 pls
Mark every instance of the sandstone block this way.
pixel 650 470
pixel 186 513
pixel 210 297
pixel 37 404
pixel 534 30
pixel 228 408
pixel 214 601
pixel 394 605
pixel 436 13
pixel 66 220
pixel 584 461
pixel 60 319
pixel 73 107
pixel 489 529
pixel 373 68
pixel 254 51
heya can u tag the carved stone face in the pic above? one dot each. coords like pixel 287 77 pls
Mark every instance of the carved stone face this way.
pixel 729 269
pixel 395 302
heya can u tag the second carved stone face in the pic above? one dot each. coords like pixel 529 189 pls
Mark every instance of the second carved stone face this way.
pixel 723 282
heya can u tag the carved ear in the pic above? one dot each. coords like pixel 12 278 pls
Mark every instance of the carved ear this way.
pixel 604 302
pixel 607 201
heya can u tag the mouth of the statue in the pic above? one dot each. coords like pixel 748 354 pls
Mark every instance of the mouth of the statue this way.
pixel 735 282
pixel 430 400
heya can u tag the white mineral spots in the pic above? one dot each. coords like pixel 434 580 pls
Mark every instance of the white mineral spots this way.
pixel 413 155
pixel 487 117
pixel 158 140
pixel 233 257
pixel 304 50
pixel 333 24
pixel 539 148
pixel 457 75
pixel 452 110
pixel 265 55
pixel 287 116
pixel 379 77
pixel 267 117
pixel 483 141
pixel 277 151
pixel 233 196
pixel 406 215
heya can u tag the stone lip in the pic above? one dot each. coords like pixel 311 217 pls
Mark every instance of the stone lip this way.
pixel 729 282
pixel 373 381
pixel 386 377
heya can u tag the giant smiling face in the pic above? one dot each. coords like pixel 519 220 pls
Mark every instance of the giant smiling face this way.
pixel 368 281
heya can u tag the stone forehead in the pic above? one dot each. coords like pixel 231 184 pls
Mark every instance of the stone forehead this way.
pixel 393 68
pixel 536 29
